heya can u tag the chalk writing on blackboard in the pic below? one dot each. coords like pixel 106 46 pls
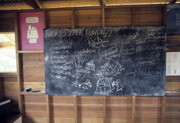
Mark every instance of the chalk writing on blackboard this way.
pixel 105 61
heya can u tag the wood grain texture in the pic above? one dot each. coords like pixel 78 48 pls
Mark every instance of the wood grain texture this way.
pixel 7 22
pixel 90 109
pixel 1 88
pixel 88 18
pixel 59 19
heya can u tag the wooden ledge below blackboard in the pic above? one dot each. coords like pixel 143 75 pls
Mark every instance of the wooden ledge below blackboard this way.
pixel 33 93
pixel 31 51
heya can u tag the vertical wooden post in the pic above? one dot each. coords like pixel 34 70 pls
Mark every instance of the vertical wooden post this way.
pixel 104 110
pixel 163 108
pixel 48 109
pixel 18 65
pixel 103 17
pixel 133 108
pixel 75 97
pixel 104 97
pixel 75 109
pixel 73 18
pixel 164 16
pixel 133 16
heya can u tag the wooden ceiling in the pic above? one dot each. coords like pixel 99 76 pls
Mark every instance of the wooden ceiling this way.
pixel 47 4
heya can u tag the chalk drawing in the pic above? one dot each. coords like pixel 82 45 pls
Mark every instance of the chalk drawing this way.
pixel 78 77
pixel 117 86
pixel 79 60
pixel 90 65
pixel 112 68
pixel 103 85
pixel 86 85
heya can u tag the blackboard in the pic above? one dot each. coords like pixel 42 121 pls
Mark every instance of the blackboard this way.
pixel 105 61
pixel 173 19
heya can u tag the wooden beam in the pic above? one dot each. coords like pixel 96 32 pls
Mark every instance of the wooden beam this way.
pixel 75 110
pixel 172 1
pixel 67 3
pixel 38 3
pixel 103 17
pixel 102 3
pixel 32 3
pixel 19 67
pixel 163 108
pixel 73 18
pixel 48 109
pixel 104 110
pixel 133 14
pixel 15 6
pixel 135 2
pixel 133 108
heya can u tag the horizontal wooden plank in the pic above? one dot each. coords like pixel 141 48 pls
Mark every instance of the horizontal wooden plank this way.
pixel 6 75
pixel 62 99
pixel 35 99
pixel 89 100
pixel 148 17
pixel 147 23
pixel 145 120
pixel 34 119
pixel 10 79
pixel 172 115
pixel 85 18
pixel 31 51
pixel 7 21
pixel 72 3
pixel 89 12
pixel 119 100
pixel 172 78
pixel 135 2
pixel 173 48
pixel 57 19
pixel 173 100
pixel 149 10
pixel 148 100
pixel 63 120
pixel 148 114
pixel 173 86
pixel 119 115
pixel 171 120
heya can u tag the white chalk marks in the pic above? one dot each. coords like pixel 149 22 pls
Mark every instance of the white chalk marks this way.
pixel 79 60
pixel 105 61
pixel 111 68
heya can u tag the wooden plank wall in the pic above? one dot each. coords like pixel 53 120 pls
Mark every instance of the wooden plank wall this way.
pixel 95 109
pixel 1 88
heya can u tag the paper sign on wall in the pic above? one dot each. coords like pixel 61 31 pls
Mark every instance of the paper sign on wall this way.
pixel 173 63
pixel 31 30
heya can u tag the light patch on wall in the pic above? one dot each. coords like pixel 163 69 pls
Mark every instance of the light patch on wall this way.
pixel 7 52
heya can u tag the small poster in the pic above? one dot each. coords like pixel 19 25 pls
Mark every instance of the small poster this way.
pixel 173 63
pixel 31 30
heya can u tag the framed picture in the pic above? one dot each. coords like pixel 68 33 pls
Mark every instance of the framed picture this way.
pixel 31 27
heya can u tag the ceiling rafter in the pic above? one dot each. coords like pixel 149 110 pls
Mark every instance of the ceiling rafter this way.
pixel 102 2
pixel 33 3
pixel 38 3
pixel 172 1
